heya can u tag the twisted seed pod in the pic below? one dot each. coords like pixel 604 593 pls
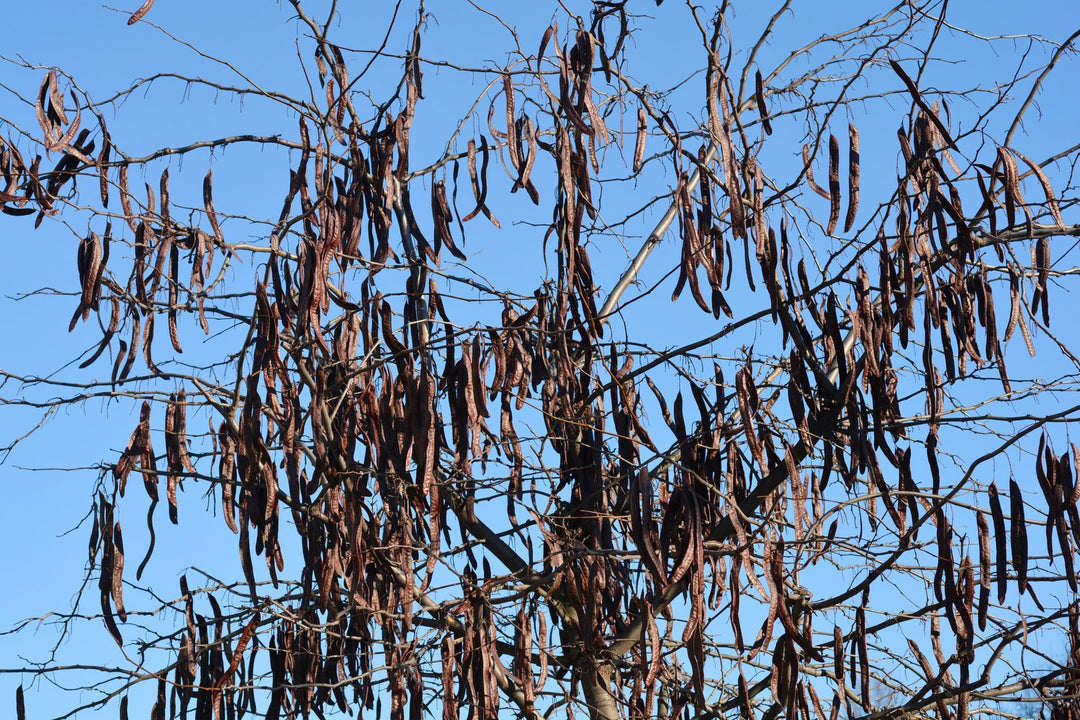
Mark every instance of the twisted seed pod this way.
pixel 639 144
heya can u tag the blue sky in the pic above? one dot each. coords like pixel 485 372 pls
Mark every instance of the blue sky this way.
pixel 94 44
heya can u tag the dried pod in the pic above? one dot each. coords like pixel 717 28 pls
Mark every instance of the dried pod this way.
pixel 834 184
pixel 639 144
pixel 853 177
pixel 759 97
pixel 141 12
pixel 808 169
pixel 1018 535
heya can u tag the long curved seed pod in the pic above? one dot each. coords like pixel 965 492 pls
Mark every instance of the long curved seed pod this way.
pixel 103 166
pixel 1000 542
pixel 227 474
pixel 834 184
pixel 513 142
pixel 208 205
pixel 639 143
pixel 917 97
pixel 1018 535
pixel 759 97
pixel 809 171
pixel 1044 181
pixel 117 578
pixel 984 566
pixel 1013 196
pixel 853 177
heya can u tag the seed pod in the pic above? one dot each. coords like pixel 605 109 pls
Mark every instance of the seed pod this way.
pixel 1000 541
pixel 103 166
pixel 1013 196
pixel 440 213
pixel 208 206
pixel 656 656
pixel 1018 535
pixel 759 96
pixel 639 144
pixel 917 97
pixel 170 480
pixel 853 177
pixel 746 709
pixel 513 141
pixel 551 30
pixel 108 558
pixel 834 184
pixel 809 170
pixel 984 566
pixel 1048 189
pixel 1042 277
pixel 91 265
pixel 838 655
pixel 141 12
pixel 117 578
pixel 864 657
pixel 474 180
pixel 642 526
pixel 527 133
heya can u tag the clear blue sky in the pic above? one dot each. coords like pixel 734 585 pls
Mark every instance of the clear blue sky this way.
pixel 42 563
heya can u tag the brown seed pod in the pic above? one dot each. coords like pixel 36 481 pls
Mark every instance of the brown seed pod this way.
pixel 548 34
pixel 171 478
pixel 174 290
pixel 928 671
pixel 180 428
pixel 1044 181
pixel 440 212
pixel 746 394
pixel 917 97
pixel 474 180
pixel 642 526
pixel 1018 535
pixel 125 199
pixel 238 653
pixel 141 12
pixel 117 577
pixel 1042 277
pixel 838 655
pixel 50 111
pixel 1071 498
pixel 834 184
pixel 103 166
pixel 108 558
pixel 853 177
pixel 863 652
pixel 513 142
pixel 91 266
pixel 655 657
pixel 208 205
pixel 759 96
pixel 639 144
pixel 1013 196
pixel 809 171
pixel 984 566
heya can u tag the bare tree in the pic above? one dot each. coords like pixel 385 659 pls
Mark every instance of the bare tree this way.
pixel 558 384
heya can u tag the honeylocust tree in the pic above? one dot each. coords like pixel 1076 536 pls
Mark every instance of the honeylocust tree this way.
pixel 618 359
